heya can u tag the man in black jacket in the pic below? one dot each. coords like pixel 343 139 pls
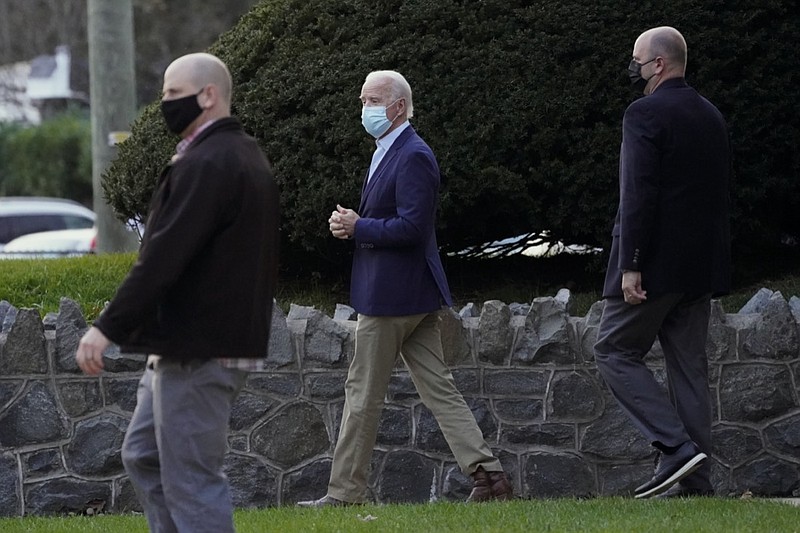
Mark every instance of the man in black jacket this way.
pixel 199 298
pixel 670 253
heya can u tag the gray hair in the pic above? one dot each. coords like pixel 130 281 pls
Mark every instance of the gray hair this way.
pixel 398 87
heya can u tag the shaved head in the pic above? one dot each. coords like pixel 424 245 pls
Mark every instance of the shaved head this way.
pixel 201 69
pixel 667 42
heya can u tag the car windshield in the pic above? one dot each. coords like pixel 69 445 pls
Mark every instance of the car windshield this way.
pixel 13 226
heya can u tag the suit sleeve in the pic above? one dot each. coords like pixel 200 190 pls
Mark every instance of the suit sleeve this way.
pixel 639 185
pixel 187 220
pixel 416 194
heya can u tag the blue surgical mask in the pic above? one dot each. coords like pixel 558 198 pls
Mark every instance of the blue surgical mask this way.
pixel 375 121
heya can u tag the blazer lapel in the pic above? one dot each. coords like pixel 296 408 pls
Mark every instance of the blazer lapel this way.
pixel 369 183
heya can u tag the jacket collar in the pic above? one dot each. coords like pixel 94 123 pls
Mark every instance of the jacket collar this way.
pixel 405 135
pixel 671 83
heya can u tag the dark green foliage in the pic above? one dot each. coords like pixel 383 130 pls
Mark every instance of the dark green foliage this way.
pixel 521 101
pixel 53 159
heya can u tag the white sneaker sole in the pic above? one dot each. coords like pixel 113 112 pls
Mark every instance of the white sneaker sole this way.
pixel 691 465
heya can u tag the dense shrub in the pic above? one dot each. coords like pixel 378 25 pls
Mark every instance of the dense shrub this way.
pixel 521 101
pixel 52 159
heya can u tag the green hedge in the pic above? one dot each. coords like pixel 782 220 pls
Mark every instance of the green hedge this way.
pixel 521 101
pixel 52 159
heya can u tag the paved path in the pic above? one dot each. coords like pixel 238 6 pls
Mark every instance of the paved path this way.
pixel 791 501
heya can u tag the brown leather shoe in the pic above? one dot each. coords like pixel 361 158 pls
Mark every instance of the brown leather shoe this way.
pixel 490 486
pixel 325 501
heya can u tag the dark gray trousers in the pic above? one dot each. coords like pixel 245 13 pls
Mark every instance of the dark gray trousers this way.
pixel 176 442
pixel 626 334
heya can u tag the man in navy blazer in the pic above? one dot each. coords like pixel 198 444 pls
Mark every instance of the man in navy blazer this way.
pixel 670 254
pixel 398 287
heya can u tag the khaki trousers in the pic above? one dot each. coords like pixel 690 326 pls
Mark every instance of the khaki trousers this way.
pixel 417 340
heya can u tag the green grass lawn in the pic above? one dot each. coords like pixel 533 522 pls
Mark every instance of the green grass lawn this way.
pixel 715 515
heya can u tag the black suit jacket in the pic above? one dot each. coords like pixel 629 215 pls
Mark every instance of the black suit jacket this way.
pixel 205 278
pixel 672 224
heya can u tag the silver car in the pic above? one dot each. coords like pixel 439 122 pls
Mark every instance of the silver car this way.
pixel 24 215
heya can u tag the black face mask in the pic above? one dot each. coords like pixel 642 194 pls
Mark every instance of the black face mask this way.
pixel 635 74
pixel 180 112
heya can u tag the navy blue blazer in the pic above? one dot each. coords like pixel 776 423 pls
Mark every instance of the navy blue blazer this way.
pixel 397 270
pixel 673 224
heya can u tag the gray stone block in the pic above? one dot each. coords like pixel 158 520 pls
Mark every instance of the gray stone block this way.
pixel 10 501
pixel 494 333
pixel 394 428
pixel 34 418
pixel 519 411
pixel 794 305
pixel 253 484
pixel 775 336
pixel 115 361
pixel 280 350
pixel 24 350
pixel 516 382
pixel 66 495
pixel 406 477
pixel 544 338
pixel 8 313
pixel 574 396
pixel 80 397
pixel 121 392
pixel 96 446
pixel 9 389
pixel 455 485
pixel 469 311
pixel 613 436
pixel 757 303
pixel 734 445
pixel 307 483
pixel 783 436
pixel 296 433
pixel 721 342
pixel 549 475
pixel 467 381
pixel 622 480
pixel 344 312
pixel 125 500
pixel 755 392
pixel 324 341
pixel 325 386
pixel 248 409
pixel 70 327
pixel 41 463
pixel 768 476
pixel 284 386
pixel 536 435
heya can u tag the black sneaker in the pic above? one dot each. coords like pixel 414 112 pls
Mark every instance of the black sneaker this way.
pixel 671 469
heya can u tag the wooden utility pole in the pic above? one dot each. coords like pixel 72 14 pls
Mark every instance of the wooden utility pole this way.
pixel 113 106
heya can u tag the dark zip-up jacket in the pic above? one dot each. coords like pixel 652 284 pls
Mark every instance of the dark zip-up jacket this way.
pixel 204 282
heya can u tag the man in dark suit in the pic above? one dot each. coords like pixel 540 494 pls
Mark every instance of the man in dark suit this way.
pixel 398 286
pixel 670 254
pixel 199 299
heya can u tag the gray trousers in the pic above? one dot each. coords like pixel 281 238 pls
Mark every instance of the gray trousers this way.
pixel 379 342
pixel 176 442
pixel 626 334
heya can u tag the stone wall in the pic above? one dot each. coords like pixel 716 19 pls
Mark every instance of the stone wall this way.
pixel 526 371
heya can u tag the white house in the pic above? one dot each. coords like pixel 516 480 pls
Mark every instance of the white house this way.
pixel 27 89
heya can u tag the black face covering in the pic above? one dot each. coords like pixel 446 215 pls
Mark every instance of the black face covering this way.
pixel 635 74
pixel 180 112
